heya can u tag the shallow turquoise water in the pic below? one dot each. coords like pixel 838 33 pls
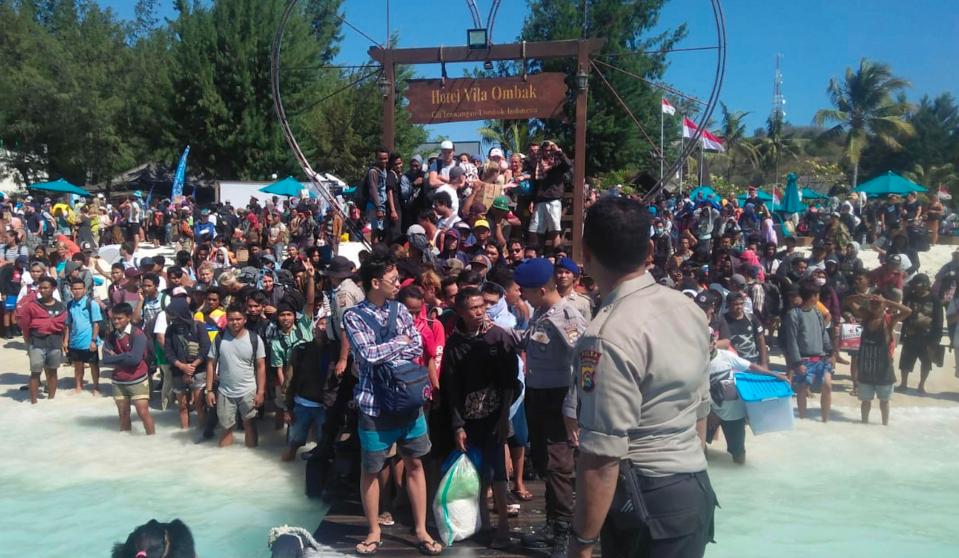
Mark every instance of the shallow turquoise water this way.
pixel 844 489
pixel 73 485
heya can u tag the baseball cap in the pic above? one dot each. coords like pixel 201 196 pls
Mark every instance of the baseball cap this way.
pixel 482 260
pixel 501 202
pixel 481 223
pixel 738 279
pixel 495 152
pixel 447 144
pixel 457 172
pixel 131 272
pixel 415 229
pixel 73 266
pixel 138 194
pixel 453 265
pixel 704 300
pixel 146 262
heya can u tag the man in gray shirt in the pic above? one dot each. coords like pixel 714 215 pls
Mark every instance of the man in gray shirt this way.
pixel 808 349
pixel 238 360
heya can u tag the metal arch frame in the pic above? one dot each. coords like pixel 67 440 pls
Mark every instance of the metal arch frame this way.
pixel 288 132
pixel 710 104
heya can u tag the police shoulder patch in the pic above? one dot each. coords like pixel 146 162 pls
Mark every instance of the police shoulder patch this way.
pixel 588 360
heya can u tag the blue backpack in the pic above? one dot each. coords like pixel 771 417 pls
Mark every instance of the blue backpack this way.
pixel 400 388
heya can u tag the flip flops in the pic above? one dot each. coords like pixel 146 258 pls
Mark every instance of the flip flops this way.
pixel 429 548
pixel 522 495
pixel 369 548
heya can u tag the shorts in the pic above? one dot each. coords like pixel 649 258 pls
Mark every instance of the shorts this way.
pixel 132 230
pixel 226 408
pixel 43 359
pixel 815 372
pixel 133 392
pixel 83 355
pixel 911 352
pixel 377 434
pixel 869 391
pixel 180 384
pixel 520 437
pixel 546 217
pixel 199 380
pixel 303 418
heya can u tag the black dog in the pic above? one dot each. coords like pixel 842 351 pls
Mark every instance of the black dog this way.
pixel 157 540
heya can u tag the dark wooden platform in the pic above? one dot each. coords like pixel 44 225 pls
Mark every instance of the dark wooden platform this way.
pixel 344 527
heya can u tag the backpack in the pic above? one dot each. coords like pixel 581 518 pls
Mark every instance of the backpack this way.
pixel 773 301
pixel 399 389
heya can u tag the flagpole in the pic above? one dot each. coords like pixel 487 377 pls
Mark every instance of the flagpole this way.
pixel 682 153
pixel 701 150
pixel 662 152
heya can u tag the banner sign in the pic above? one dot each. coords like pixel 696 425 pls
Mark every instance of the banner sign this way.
pixel 180 177
pixel 510 98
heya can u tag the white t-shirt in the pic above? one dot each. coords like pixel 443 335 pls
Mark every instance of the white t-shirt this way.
pixel 453 196
pixel 723 368
pixel 447 223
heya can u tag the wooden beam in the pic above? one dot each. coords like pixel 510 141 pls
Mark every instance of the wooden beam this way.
pixel 579 163
pixel 513 51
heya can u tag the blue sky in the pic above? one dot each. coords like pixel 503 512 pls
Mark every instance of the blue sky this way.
pixel 818 40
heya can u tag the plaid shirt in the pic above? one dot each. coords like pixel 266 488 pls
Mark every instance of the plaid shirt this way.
pixel 368 354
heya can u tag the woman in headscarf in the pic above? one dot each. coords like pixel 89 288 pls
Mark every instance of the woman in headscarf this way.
pixel 186 345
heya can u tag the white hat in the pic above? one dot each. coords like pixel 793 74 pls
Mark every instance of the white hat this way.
pixel 447 144
pixel 415 229
pixel 100 196
pixel 495 152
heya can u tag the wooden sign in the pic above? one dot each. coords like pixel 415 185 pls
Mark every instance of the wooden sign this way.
pixel 510 98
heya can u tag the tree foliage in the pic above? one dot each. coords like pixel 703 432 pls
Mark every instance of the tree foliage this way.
pixel 865 110
pixel 613 138
pixel 86 95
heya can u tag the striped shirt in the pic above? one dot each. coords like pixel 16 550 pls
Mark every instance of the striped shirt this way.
pixel 369 354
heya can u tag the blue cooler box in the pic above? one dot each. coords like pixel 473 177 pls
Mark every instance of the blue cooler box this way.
pixel 768 402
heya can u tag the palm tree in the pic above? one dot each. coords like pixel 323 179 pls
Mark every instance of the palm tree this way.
pixel 866 111
pixel 775 147
pixel 733 132
pixel 934 176
pixel 511 135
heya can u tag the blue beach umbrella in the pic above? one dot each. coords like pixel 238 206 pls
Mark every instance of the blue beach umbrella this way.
pixel 289 186
pixel 791 202
pixel 60 186
pixel 889 183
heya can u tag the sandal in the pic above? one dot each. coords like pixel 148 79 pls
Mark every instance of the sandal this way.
pixel 522 495
pixel 386 519
pixel 429 548
pixel 369 548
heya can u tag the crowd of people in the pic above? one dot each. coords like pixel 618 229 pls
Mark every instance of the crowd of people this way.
pixel 467 325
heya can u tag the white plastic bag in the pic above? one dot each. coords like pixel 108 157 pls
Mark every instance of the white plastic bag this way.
pixel 456 506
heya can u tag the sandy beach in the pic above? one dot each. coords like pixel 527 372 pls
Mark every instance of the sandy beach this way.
pixel 75 485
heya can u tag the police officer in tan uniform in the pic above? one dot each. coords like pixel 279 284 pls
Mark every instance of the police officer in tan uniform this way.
pixel 567 275
pixel 638 372
pixel 549 341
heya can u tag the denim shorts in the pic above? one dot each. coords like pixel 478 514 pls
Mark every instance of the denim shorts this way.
pixel 815 372
pixel 303 418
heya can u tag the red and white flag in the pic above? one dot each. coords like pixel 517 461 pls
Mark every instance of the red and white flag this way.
pixel 712 143
pixel 668 108
pixel 944 193
pixel 689 128
pixel 777 197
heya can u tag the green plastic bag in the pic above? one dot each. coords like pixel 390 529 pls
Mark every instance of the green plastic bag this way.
pixel 456 507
